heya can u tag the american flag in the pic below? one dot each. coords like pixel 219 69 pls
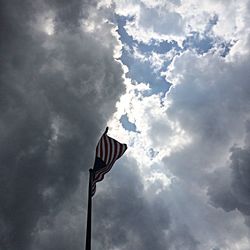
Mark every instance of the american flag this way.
pixel 108 150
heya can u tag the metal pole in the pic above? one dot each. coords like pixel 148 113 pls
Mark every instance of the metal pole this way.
pixel 88 230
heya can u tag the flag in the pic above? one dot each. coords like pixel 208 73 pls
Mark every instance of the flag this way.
pixel 108 150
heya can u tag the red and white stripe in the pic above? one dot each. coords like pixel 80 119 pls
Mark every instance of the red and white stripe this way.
pixel 108 150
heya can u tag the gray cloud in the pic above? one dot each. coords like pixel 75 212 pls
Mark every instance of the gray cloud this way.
pixel 56 94
pixel 128 218
pixel 167 23
pixel 124 217
pixel 213 169
pixel 235 195
pixel 208 110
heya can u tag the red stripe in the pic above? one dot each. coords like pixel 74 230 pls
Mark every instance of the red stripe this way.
pixel 115 151
pixel 112 148
pixel 100 174
pixel 103 171
pixel 124 148
pixel 93 189
pixel 120 152
pixel 106 149
pixel 109 149
pixel 113 160
pixel 100 177
pixel 118 146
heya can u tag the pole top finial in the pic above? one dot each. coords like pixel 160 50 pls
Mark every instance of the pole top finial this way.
pixel 106 130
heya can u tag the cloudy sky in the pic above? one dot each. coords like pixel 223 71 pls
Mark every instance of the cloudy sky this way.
pixel 170 78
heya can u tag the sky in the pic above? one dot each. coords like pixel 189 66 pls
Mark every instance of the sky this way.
pixel 171 80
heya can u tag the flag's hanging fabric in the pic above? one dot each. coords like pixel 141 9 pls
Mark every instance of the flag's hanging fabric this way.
pixel 108 150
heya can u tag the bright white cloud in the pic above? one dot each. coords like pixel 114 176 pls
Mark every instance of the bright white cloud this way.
pixel 174 20
pixel 188 135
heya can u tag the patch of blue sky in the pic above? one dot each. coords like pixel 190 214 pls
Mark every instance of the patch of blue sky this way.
pixel 225 48
pixel 200 42
pixel 152 153
pixel 203 42
pixel 142 70
pixel 127 124
pixel 211 23
pixel 124 36
pixel 158 47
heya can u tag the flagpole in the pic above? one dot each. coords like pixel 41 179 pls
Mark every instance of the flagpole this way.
pixel 88 229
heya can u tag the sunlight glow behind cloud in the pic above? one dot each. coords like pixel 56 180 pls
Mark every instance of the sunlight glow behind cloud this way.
pixel 192 128
pixel 170 78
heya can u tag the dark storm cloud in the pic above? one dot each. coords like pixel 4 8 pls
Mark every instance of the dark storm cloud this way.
pixel 236 194
pixel 69 13
pixel 125 217
pixel 56 94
